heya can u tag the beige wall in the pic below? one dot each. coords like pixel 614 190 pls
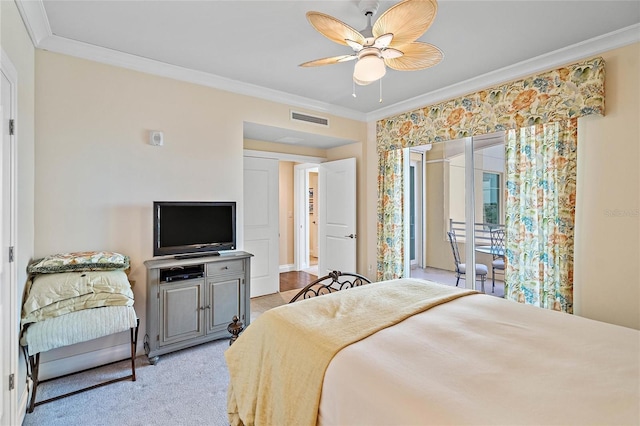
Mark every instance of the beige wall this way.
pixel 96 174
pixel 286 208
pixel 607 255
pixel 17 45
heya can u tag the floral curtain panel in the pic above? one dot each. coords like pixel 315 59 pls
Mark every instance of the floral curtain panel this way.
pixel 554 96
pixel 390 219
pixel 539 214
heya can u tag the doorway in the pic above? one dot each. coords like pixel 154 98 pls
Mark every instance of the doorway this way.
pixel 463 194
pixel 306 195
pixel 291 197
pixel 312 230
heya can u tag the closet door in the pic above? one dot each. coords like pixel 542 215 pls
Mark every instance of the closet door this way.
pixel 337 216
pixel 261 223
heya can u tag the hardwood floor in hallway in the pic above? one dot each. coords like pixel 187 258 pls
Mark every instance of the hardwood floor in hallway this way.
pixel 295 279
pixel 290 283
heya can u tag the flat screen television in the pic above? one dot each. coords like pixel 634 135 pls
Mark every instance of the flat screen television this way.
pixel 193 228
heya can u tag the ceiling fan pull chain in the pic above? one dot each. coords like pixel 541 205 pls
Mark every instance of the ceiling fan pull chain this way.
pixel 354 88
pixel 380 90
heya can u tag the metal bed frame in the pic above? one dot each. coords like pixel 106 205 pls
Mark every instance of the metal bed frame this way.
pixel 334 281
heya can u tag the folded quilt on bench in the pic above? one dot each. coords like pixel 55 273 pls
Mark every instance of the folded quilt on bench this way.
pixel 52 295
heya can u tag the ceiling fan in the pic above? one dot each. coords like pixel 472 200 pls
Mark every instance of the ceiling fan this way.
pixel 390 42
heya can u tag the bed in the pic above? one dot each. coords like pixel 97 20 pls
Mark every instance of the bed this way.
pixel 414 352
pixel 72 298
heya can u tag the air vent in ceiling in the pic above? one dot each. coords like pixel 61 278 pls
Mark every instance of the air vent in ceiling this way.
pixel 320 121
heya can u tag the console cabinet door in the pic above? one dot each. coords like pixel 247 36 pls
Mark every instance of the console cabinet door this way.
pixel 225 302
pixel 181 311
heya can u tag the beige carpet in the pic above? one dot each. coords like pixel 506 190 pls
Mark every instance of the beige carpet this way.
pixel 187 387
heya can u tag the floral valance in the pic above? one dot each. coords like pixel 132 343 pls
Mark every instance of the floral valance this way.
pixel 572 91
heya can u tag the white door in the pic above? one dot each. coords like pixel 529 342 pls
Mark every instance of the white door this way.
pixel 4 355
pixel 8 284
pixel 261 225
pixel 337 216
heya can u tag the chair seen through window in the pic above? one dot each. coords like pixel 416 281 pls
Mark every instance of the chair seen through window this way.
pixel 497 250
pixel 461 268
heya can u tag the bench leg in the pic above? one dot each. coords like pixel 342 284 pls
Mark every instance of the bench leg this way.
pixel 34 364
pixel 134 344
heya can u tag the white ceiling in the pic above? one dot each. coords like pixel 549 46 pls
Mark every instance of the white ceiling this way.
pixel 255 47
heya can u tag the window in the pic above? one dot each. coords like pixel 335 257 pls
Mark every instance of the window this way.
pixel 491 198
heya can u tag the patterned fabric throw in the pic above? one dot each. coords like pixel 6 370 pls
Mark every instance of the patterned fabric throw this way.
pixel 79 261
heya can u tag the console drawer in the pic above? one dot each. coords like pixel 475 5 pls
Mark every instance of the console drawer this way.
pixel 225 267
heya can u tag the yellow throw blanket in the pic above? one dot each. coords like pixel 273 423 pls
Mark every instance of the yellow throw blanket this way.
pixel 277 365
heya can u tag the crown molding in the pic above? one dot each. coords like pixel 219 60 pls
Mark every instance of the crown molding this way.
pixel 557 58
pixel 37 25
pixel 35 20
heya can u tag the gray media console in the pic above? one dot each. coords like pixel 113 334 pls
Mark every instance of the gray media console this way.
pixel 193 300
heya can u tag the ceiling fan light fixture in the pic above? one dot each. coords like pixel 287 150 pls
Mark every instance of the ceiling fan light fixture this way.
pixel 390 42
pixel 369 68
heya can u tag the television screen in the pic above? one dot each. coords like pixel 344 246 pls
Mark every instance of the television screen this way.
pixel 193 227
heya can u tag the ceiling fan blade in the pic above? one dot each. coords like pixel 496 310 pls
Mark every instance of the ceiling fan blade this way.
pixel 334 29
pixel 406 20
pixel 329 61
pixel 354 45
pixel 383 41
pixel 417 56
pixel 391 53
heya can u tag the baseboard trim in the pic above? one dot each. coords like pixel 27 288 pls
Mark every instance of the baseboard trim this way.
pixel 75 363
pixel 22 403
pixel 287 268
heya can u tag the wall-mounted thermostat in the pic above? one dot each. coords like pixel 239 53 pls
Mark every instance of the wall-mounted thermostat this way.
pixel 156 138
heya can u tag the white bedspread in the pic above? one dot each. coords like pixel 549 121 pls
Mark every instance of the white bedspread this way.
pixel 483 360
pixel 77 327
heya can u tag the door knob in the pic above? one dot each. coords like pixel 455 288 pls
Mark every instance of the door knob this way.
pixel 351 236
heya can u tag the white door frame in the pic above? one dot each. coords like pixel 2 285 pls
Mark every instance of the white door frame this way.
pixel 301 214
pixel 9 292
pixel 418 165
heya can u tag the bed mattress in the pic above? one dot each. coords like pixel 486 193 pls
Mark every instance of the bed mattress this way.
pixel 483 360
